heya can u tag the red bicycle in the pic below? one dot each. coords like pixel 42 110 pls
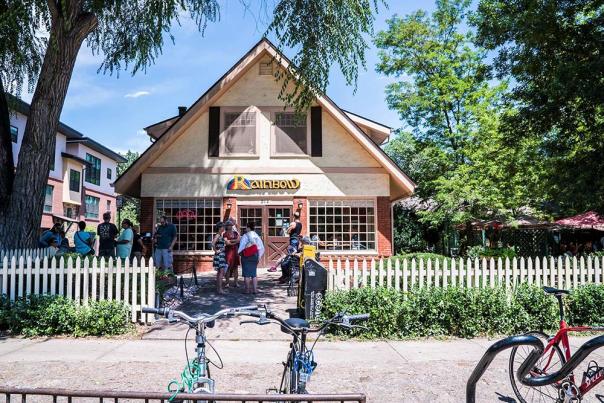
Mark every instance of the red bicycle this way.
pixel 557 351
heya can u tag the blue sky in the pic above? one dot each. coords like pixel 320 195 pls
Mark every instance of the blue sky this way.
pixel 113 110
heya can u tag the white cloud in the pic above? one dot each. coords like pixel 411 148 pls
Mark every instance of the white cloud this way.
pixel 137 94
pixel 139 142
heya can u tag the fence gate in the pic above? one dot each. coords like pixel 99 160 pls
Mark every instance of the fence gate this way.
pixel 52 395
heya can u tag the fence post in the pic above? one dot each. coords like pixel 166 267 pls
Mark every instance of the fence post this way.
pixel 37 276
pixel 69 292
pixel 468 272
pixel 445 272
pixel 151 284
pixel 28 279
pixel 537 272
pixel 78 280
pixel 364 272
pixel 499 272
pixel 95 271
pixel 127 272
pixel 355 273
pixel 437 272
pixel 21 275
pixel 413 272
pixel 405 276
pixel 575 273
pixel 85 280
pixel 397 274
pixel 421 272
pixel 45 274
pixel 598 271
pixel 5 275
pixel 372 273
pixel 453 273
pixel 581 270
pixel 110 271
pixel 590 270
pixel 144 273
pixel 429 273
pixel 133 307
pixel 118 280
pixel 347 274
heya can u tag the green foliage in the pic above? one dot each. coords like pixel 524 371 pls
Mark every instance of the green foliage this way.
pixel 483 251
pixel 462 312
pixel 421 255
pixel 131 206
pixel 164 279
pixel 408 231
pixel 553 53
pixel 454 149
pixel 586 305
pixel 56 315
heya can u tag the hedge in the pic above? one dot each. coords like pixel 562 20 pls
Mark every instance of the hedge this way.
pixel 56 315
pixel 462 312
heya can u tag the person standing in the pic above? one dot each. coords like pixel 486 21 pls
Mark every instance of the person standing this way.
pixel 124 242
pixel 220 262
pixel 107 231
pixel 294 230
pixel 251 250
pixel 165 238
pixel 83 241
pixel 138 247
pixel 232 238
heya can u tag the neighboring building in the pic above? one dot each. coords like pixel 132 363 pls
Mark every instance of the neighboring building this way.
pixel 80 181
pixel 238 153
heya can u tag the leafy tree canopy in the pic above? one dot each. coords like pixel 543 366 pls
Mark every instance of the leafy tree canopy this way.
pixel 453 148
pixel 553 52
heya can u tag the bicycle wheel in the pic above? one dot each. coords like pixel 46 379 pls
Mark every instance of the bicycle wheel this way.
pixel 289 379
pixel 528 394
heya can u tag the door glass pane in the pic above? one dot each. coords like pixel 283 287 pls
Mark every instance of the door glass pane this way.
pixel 279 219
pixel 251 214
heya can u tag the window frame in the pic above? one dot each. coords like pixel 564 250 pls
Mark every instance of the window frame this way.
pixel 109 173
pixel 176 250
pixel 52 190
pixel 14 139
pixel 273 133
pixel 71 180
pixel 90 169
pixel 88 215
pixel 221 148
pixel 346 252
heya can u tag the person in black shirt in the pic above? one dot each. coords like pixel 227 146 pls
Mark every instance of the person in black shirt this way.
pixel 107 232
pixel 138 248
pixel 294 230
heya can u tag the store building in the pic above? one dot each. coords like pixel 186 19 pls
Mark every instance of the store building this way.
pixel 238 152
pixel 82 172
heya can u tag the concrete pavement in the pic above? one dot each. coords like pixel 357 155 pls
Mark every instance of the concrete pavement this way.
pixel 386 371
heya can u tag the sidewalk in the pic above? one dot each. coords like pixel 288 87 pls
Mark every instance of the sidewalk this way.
pixel 395 371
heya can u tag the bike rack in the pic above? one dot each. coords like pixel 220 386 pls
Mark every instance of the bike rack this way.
pixel 498 347
pixel 534 381
pixel 115 396
pixel 577 358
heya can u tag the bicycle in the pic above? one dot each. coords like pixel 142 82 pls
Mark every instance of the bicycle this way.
pixel 552 360
pixel 300 362
pixel 196 378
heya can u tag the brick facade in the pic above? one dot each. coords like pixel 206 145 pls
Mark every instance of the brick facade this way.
pixel 146 220
pixel 384 226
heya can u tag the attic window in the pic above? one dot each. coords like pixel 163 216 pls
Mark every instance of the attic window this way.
pixel 266 68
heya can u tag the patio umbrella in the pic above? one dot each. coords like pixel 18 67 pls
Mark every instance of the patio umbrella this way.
pixel 587 220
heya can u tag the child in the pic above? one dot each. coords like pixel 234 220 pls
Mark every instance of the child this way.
pixel 220 262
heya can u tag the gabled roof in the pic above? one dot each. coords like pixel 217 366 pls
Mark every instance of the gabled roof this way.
pixel 127 182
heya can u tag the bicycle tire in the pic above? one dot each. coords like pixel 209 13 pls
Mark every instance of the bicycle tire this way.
pixel 525 394
pixel 289 379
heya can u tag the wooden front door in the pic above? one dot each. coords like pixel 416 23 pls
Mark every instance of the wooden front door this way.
pixel 271 224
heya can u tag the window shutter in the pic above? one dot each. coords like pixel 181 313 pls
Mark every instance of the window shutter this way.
pixel 214 132
pixel 316 132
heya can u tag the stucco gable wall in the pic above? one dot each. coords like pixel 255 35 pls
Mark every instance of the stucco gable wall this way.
pixel 340 149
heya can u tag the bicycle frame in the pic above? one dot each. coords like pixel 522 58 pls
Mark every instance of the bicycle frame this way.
pixel 561 337
pixel 203 383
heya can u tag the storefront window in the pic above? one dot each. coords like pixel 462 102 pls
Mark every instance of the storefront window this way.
pixel 194 220
pixel 239 134
pixel 342 224
pixel 290 133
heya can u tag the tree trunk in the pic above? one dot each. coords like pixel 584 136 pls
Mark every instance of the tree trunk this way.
pixel 20 222
pixel 7 166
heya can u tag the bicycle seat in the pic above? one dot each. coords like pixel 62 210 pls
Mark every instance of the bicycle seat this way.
pixel 295 323
pixel 555 291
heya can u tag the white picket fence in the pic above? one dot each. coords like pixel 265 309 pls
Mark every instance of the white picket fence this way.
pixel 404 274
pixel 33 253
pixel 82 280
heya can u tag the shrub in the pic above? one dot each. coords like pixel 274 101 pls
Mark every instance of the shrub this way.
pixel 56 315
pixel 422 255
pixel 481 251
pixel 586 305
pixel 463 312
